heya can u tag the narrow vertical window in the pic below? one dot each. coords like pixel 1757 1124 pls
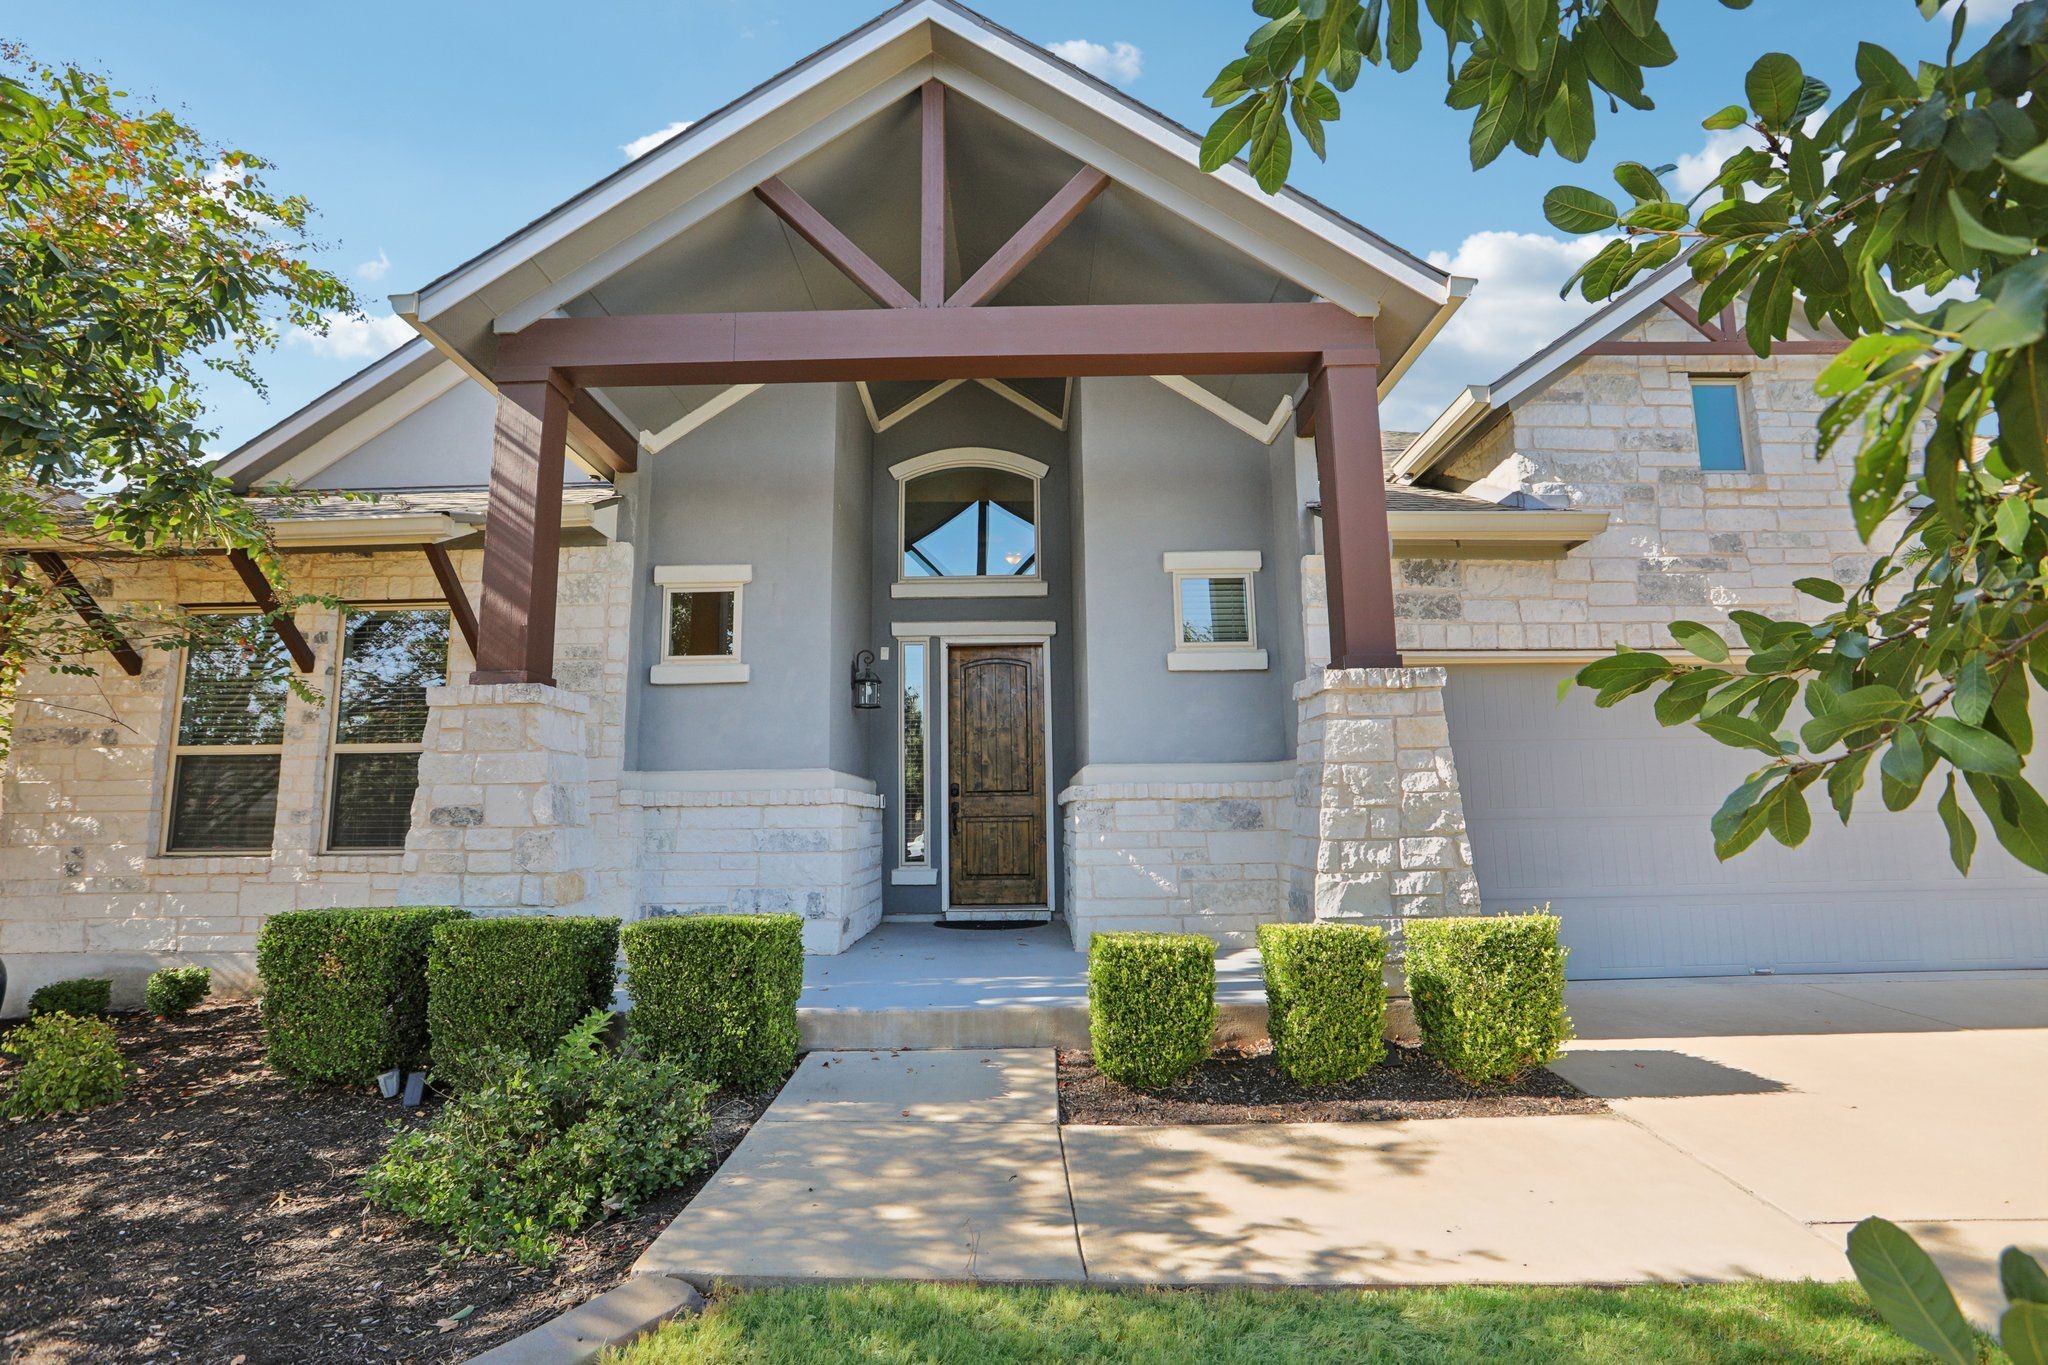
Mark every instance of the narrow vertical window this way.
pixel 914 852
pixel 1718 420
pixel 389 658
pixel 229 743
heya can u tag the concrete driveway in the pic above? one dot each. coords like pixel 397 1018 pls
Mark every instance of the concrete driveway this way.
pixel 1754 1121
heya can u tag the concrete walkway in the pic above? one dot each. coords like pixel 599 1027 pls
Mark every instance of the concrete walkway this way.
pixel 1755 1119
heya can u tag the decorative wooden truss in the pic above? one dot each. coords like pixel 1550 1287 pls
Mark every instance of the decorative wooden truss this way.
pixel 1720 337
pixel 545 370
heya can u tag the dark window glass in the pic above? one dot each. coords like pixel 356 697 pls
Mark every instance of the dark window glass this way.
pixel 1215 611
pixel 700 623
pixel 224 803
pixel 372 799
pixel 235 687
pixel 969 523
pixel 389 660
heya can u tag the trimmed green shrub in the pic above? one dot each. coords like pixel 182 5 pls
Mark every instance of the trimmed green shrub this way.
pixel 1488 992
pixel 517 983
pixel 535 1149
pixel 81 997
pixel 1151 1005
pixel 68 1065
pixel 172 992
pixel 345 991
pixel 1326 999
pixel 717 993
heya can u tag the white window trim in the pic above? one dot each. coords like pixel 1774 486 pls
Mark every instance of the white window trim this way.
pixel 335 746
pixel 974 585
pixel 922 872
pixel 1743 421
pixel 178 751
pixel 1234 656
pixel 673 669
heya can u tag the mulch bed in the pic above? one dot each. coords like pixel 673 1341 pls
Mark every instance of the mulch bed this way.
pixel 214 1215
pixel 1242 1084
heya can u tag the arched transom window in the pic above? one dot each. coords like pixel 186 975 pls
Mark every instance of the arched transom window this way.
pixel 969 513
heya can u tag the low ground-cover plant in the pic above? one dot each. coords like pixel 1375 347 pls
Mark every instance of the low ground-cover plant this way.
pixel 1488 992
pixel 535 1149
pixel 172 992
pixel 518 983
pixel 80 997
pixel 1326 999
pixel 1151 1005
pixel 718 993
pixel 68 1065
pixel 345 991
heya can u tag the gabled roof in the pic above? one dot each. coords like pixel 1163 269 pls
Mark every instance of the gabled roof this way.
pixel 1477 405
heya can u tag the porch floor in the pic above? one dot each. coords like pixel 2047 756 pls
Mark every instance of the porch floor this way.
pixel 925 986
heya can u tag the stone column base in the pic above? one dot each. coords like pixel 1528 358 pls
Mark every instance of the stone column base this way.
pixel 501 821
pixel 1380 825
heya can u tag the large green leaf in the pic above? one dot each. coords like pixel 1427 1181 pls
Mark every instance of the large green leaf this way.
pixel 1972 748
pixel 1229 133
pixel 1571 209
pixel 2022 1278
pixel 1908 1291
pixel 2018 816
pixel 1971 700
pixel 1974 233
pixel 1774 86
pixel 1962 835
pixel 1703 641
pixel 2023 1332
pixel 2022 396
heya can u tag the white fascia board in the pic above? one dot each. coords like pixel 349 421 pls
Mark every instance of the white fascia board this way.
pixel 653 442
pixel 423 528
pixel 351 435
pixel 1622 314
pixel 1495 528
pixel 357 386
pixel 1459 290
pixel 1262 431
pixel 658 165
pixel 1442 435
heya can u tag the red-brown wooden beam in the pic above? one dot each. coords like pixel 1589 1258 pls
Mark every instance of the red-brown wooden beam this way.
pixel 265 596
pixel 600 436
pixel 1028 241
pixel 932 343
pixel 931 247
pixel 523 534
pixel 452 591
pixel 1358 572
pixel 1690 316
pixel 834 245
pixel 74 592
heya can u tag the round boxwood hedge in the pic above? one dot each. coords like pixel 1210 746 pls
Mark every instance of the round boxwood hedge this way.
pixel 1151 1005
pixel 1326 999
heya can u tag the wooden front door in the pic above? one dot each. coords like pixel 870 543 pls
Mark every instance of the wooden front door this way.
pixel 995 774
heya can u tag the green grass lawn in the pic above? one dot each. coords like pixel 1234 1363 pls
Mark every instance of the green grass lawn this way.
pixel 1660 1325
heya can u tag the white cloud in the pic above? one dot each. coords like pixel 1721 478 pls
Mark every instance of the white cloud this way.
pixel 1513 313
pixel 1984 11
pixel 1696 170
pixel 377 269
pixel 351 338
pixel 647 142
pixel 1119 62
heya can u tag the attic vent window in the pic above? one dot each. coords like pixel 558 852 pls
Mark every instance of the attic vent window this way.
pixel 1720 418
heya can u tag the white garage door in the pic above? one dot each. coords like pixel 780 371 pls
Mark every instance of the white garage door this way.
pixel 1603 814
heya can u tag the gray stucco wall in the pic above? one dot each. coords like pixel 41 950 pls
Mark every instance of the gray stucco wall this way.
pixel 446 444
pixel 1158 474
pixel 969 415
pixel 853 732
pixel 760 485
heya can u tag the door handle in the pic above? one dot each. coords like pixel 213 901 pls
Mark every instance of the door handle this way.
pixel 953 808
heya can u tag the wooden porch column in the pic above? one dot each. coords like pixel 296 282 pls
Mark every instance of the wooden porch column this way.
pixel 523 535
pixel 1343 404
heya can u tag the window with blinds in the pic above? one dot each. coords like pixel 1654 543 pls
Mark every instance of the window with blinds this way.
pixel 1215 611
pixel 389 658
pixel 229 741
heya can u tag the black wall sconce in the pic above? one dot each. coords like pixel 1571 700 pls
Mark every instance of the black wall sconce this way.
pixel 867 687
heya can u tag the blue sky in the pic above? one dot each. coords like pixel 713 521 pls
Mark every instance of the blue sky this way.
pixel 426 130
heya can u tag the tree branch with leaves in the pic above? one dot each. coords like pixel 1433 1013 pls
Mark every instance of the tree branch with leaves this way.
pixel 1908 214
